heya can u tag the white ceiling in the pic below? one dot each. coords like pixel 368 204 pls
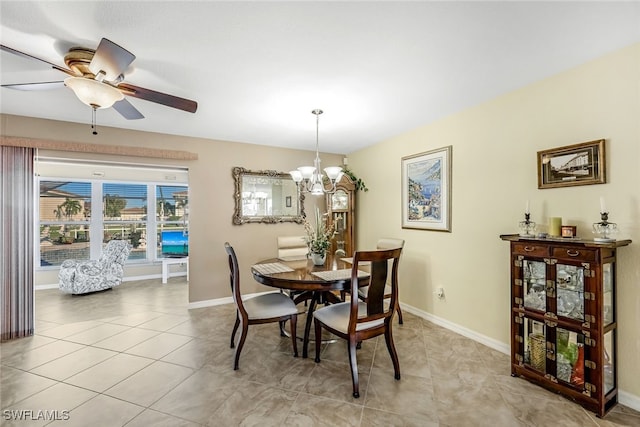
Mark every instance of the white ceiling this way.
pixel 257 69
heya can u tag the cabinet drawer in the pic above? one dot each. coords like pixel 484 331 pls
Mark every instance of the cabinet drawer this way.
pixel 531 249
pixel 573 253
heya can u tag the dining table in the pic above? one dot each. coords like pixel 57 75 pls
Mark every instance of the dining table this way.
pixel 317 284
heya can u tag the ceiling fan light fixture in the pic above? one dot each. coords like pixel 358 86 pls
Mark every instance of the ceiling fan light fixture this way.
pixel 94 93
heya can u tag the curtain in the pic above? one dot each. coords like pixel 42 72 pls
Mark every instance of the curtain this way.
pixel 16 242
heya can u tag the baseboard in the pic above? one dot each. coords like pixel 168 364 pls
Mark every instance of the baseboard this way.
pixel 483 339
pixel 624 398
pixel 219 301
pixel 210 303
pixel 126 279
pixel 629 400
pixel 43 287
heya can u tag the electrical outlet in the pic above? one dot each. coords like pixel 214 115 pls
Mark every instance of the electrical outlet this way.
pixel 439 292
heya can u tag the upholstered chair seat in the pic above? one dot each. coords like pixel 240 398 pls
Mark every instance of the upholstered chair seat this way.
pixel 337 316
pixel 269 305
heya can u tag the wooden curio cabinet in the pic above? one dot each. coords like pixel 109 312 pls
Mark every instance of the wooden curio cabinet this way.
pixel 341 208
pixel 563 317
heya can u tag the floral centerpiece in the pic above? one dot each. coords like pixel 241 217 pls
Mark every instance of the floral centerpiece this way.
pixel 318 238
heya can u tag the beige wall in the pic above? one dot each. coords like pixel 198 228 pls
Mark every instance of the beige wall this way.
pixel 494 173
pixel 211 202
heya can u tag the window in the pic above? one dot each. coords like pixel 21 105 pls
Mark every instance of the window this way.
pixel 152 216
pixel 172 206
pixel 64 214
pixel 124 215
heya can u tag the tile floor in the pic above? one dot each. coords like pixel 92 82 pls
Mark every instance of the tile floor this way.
pixel 136 356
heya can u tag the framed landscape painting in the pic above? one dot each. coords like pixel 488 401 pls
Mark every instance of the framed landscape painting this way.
pixel 426 190
pixel 578 164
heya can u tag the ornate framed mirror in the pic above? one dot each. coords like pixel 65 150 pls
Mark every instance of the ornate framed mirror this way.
pixel 266 196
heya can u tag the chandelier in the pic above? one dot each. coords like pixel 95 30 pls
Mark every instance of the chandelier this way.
pixel 310 179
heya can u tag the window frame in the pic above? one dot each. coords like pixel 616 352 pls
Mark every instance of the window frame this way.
pixel 97 222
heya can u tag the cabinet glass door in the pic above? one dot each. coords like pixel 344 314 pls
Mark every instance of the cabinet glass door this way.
pixel 609 367
pixel 570 357
pixel 570 291
pixel 534 273
pixel 535 345
pixel 607 294
pixel 340 225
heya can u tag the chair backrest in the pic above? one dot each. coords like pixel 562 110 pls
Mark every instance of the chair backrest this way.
pixel 234 279
pixel 386 243
pixel 292 246
pixel 116 251
pixel 380 262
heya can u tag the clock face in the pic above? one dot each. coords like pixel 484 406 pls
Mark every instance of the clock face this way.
pixel 340 200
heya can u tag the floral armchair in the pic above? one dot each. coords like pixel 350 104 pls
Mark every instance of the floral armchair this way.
pixel 80 277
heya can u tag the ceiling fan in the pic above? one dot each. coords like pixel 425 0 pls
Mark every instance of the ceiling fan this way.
pixel 97 79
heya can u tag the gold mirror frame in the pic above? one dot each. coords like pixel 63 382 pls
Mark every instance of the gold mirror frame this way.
pixel 282 201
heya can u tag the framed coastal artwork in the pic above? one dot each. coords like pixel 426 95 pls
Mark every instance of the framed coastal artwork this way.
pixel 578 164
pixel 426 190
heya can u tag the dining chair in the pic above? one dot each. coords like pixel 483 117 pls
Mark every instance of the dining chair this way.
pixel 290 247
pixel 364 291
pixel 265 308
pixel 356 320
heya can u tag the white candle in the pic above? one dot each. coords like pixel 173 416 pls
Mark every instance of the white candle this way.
pixel 526 208
pixel 603 209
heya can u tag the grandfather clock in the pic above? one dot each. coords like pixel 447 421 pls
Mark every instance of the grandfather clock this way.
pixel 341 209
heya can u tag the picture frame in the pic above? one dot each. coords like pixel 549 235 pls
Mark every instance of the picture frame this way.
pixel 426 190
pixel 569 231
pixel 577 164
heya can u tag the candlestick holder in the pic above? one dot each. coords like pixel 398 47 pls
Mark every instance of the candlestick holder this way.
pixel 527 227
pixel 604 229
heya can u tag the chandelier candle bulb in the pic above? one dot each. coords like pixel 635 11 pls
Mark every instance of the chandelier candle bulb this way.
pixel 526 208
pixel 603 208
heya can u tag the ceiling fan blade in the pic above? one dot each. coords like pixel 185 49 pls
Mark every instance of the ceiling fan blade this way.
pixel 111 59
pixel 27 56
pixel 159 97
pixel 35 86
pixel 127 110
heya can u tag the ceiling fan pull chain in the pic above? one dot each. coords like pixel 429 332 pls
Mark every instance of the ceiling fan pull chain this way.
pixel 94 126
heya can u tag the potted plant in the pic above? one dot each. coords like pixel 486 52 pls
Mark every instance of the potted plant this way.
pixel 318 238
pixel 359 183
